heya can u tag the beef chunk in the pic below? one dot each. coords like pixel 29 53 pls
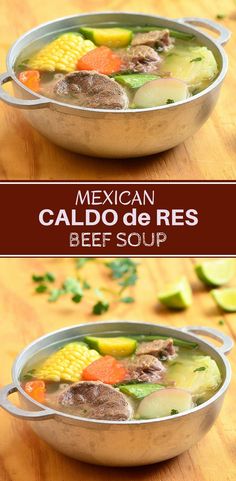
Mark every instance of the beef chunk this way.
pixel 91 89
pixel 159 39
pixel 141 59
pixel 145 368
pixel 95 400
pixel 162 349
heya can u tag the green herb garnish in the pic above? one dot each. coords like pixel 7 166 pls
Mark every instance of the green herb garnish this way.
pixel 41 288
pixel 173 412
pixel 100 307
pixel 127 300
pixel 77 298
pixel 198 369
pixel 29 375
pixel 197 59
pixel 122 267
pixel 124 271
pixel 86 285
pixel 221 322
pixel 55 294
pixel 47 277
pixel 220 16
pixel 170 101
pixel 36 278
pixel 69 286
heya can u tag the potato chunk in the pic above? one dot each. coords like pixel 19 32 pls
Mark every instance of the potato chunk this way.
pixel 165 402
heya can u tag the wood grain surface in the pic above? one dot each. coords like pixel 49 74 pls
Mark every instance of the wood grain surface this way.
pixel 24 316
pixel 25 154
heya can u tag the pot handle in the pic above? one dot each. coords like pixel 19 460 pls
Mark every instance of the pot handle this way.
pixel 17 102
pixel 227 342
pixel 18 412
pixel 224 33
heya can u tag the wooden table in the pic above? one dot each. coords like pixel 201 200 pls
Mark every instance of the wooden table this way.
pixel 25 154
pixel 25 316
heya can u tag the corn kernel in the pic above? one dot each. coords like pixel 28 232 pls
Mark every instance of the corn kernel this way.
pixel 67 364
pixel 61 54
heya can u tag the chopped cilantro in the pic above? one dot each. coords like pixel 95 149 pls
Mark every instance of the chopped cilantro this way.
pixel 86 285
pixel 47 277
pixel 173 412
pixel 77 298
pixel 127 300
pixel 124 271
pixel 55 294
pixel 41 288
pixel 121 267
pixel 198 369
pixel 37 278
pixel 100 307
pixel 197 59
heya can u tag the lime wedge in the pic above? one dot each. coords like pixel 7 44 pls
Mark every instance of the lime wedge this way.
pixel 225 298
pixel 177 295
pixel 217 272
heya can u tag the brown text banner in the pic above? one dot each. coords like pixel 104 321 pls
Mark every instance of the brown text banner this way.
pixel 117 219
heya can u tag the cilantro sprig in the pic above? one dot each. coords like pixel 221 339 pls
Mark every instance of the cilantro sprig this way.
pixel 123 271
pixel 69 286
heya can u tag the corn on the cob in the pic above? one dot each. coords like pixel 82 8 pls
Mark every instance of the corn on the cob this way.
pixel 67 364
pixel 62 54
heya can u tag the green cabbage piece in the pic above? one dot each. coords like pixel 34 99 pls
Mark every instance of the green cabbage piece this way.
pixel 198 374
pixel 194 65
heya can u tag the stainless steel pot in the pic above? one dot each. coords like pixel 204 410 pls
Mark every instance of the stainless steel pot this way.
pixel 112 443
pixel 117 134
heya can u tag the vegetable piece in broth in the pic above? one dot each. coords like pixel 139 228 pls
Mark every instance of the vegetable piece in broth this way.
pixel 101 59
pixel 158 92
pixel 67 363
pixel 163 402
pixel 62 54
pixel 114 346
pixel 134 81
pixel 195 65
pixel 199 374
pixel 106 369
pixel 140 390
pixel 115 37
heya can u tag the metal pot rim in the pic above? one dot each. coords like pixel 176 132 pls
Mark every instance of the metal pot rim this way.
pixel 51 103
pixel 185 331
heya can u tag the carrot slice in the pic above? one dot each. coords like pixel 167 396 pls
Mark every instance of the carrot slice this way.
pixel 31 79
pixel 106 369
pixel 36 390
pixel 101 59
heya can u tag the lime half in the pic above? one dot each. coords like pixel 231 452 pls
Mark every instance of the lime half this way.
pixel 177 295
pixel 217 272
pixel 225 298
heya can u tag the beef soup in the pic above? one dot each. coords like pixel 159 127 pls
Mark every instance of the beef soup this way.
pixel 117 67
pixel 122 378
